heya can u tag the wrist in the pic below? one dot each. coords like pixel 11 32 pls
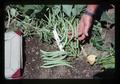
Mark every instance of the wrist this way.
pixel 91 8
pixel 89 13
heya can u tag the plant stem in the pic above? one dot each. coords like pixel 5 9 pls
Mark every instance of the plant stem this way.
pixel 8 11
pixel 84 53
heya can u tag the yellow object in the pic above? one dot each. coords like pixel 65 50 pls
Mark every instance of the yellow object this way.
pixel 91 59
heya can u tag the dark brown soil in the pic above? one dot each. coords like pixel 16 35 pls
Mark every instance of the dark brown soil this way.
pixel 81 69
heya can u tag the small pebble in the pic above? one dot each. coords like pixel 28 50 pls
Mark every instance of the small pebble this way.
pixel 38 67
pixel 32 69
pixel 32 50
pixel 28 52
pixel 28 40
pixel 33 60
pixel 29 63
pixel 87 75
pixel 37 53
pixel 84 71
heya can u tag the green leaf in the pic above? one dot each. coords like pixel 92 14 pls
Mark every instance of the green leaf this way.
pixel 107 61
pixel 108 66
pixel 108 18
pixel 13 12
pixel 78 9
pixel 54 65
pixel 56 9
pixel 67 9
pixel 29 9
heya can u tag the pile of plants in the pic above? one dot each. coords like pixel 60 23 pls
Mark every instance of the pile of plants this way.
pixel 51 23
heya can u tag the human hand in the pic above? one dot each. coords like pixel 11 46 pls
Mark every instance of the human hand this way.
pixel 84 26
pixel 85 22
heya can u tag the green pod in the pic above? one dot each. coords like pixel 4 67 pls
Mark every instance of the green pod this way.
pixel 56 65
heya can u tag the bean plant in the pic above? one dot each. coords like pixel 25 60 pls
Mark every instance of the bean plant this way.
pixel 63 25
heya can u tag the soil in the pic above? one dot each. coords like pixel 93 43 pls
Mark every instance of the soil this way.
pixel 81 69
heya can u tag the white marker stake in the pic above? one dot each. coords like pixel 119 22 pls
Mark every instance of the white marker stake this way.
pixel 57 39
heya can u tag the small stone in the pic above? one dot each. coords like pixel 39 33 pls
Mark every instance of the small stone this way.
pixel 38 67
pixel 33 60
pixel 29 63
pixel 37 53
pixel 84 71
pixel 28 40
pixel 28 52
pixel 87 75
pixel 32 50
pixel 91 59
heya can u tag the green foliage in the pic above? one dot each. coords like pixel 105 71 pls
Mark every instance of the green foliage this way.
pixel 96 39
pixel 108 18
pixel 62 26
pixel 30 26
pixel 13 12
pixel 72 45
pixel 108 61
pixel 73 10
pixel 30 10
pixel 67 9
pixel 55 58
pixel 78 10
pixel 56 9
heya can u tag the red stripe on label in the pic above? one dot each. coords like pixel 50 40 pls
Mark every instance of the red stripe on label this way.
pixel 17 74
pixel 18 32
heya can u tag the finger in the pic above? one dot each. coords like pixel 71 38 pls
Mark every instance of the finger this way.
pixel 80 28
pixel 86 31
pixel 81 37
pixel 87 25
pixel 87 28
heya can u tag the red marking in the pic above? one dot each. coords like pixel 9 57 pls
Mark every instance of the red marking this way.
pixel 17 74
pixel 18 32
